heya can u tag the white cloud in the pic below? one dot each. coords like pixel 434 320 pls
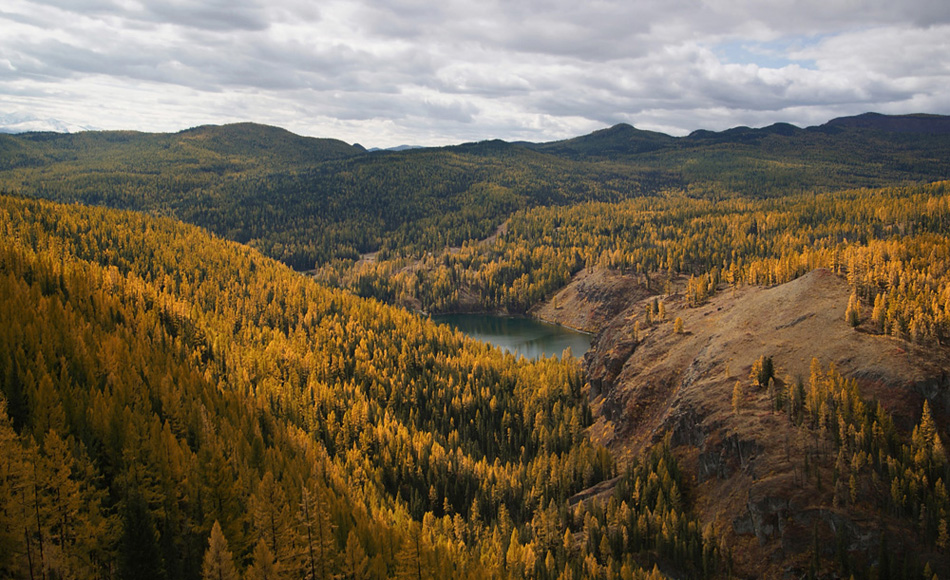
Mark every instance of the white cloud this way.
pixel 412 71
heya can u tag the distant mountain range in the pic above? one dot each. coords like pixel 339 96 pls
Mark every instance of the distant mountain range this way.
pixel 309 201
pixel 396 148
pixel 622 139
pixel 918 123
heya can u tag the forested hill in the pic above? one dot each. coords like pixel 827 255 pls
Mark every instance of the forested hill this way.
pixel 237 147
pixel 871 130
pixel 309 201
pixel 869 150
pixel 253 184
pixel 174 405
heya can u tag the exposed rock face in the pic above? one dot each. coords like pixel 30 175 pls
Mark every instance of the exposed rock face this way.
pixel 765 518
pixel 606 373
pixel 727 457
pixel 747 466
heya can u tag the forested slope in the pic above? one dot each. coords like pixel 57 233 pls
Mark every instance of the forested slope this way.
pixel 891 243
pixel 869 150
pixel 161 387
pixel 308 201
pixel 158 380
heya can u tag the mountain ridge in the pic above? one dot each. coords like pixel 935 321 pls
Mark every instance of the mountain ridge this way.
pixel 309 201
pixel 925 123
pixel 626 140
pixel 922 123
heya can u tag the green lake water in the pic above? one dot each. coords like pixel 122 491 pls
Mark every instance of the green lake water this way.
pixel 518 335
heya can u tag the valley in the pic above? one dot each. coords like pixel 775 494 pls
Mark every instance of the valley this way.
pixel 766 393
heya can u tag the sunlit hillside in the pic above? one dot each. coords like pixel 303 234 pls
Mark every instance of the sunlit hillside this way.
pixel 215 360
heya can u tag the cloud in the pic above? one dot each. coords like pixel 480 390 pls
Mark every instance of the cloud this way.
pixel 386 72
pixel 218 15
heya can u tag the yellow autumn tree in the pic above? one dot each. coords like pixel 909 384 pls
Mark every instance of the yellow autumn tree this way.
pixel 218 562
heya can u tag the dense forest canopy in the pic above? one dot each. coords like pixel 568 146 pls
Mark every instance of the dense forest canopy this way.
pixel 308 201
pixel 159 382
pixel 890 242
pixel 178 403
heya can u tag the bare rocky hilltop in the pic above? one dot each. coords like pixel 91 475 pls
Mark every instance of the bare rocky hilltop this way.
pixel 747 467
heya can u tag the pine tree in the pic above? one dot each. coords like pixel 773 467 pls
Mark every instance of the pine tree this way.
pixel 678 325
pixel 140 557
pixel 943 534
pixel 853 313
pixel 13 483
pixel 316 534
pixel 218 562
pixel 355 561
pixel 513 557
pixel 567 543
pixel 47 408
pixel 762 371
pixel 272 519
pixel 64 504
pixel 18 405
pixel 879 312
pixel 264 565
pixel 410 559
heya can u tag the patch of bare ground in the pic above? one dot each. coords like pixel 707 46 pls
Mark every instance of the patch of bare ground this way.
pixel 500 230
pixel 746 468
pixel 593 298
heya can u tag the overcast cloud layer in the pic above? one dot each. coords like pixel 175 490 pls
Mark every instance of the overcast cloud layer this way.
pixel 386 72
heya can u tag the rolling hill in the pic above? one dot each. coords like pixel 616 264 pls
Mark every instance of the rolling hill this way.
pixel 777 488
pixel 767 395
pixel 308 201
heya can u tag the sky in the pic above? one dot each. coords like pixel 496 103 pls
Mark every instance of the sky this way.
pixel 389 72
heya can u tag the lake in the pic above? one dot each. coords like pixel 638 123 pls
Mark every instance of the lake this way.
pixel 519 335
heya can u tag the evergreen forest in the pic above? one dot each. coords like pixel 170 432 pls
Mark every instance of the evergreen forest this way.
pixel 213 364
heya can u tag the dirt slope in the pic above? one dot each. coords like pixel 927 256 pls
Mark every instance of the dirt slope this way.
pixel 592 300
pixel 746 467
